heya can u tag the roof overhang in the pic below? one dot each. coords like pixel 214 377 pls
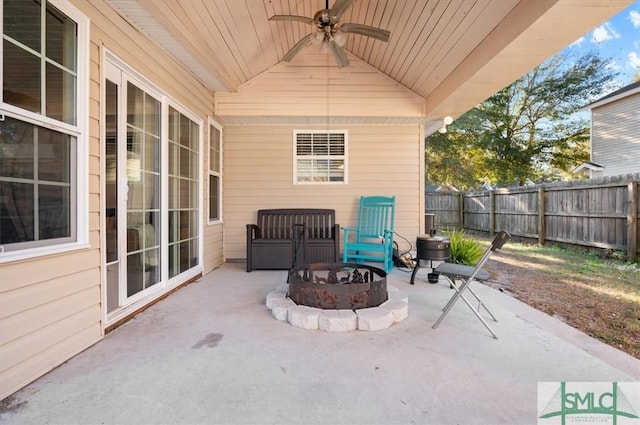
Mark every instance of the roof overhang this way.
pixel 454 53
pixel 622 93
pixel 592 166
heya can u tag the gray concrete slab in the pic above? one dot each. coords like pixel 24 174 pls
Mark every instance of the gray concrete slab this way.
pixel 212 353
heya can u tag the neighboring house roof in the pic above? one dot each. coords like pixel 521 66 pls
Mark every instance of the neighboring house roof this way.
pixel 587 166
pixel 447 188
pixel 625 91
pixel 430 188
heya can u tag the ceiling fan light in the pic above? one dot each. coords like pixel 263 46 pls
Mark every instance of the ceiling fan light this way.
pixel 324 46
pixel 317 38
pixel 447 120
pixel 340 38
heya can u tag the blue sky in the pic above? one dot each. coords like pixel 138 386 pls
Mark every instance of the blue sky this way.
pixel 617 40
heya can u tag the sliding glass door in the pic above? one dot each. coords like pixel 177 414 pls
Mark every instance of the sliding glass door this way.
pixel 151 193
pixel 183 193
pixel 142 154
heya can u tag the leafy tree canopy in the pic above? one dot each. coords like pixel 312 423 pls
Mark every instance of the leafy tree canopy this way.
pixel 530 130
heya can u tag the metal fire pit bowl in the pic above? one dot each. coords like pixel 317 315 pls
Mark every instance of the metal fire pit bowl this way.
pixel 433 248
pixel 337 285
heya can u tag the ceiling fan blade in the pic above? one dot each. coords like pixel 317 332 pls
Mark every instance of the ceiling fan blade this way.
pixel 339 7
pixel 341 56
pixel 304 19
pixel 298 46
pixel 377 33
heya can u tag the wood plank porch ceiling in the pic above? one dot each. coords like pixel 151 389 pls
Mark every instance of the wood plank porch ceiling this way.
pixel 436 46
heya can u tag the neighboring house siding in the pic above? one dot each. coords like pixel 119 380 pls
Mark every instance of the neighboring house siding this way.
pixel 382 160
pixel 615 139
pixel 51 307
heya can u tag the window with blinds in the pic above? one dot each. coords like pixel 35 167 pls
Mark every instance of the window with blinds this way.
pixel 320 157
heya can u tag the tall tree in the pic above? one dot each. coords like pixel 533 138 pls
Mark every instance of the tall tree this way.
pixel 530 130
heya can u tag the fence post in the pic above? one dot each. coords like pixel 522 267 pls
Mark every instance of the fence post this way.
pixel 632 220
pixel 461 209
pixel 542 224
pixel 492 213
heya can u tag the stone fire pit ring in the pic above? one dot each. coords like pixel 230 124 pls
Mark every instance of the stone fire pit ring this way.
pixel 393 305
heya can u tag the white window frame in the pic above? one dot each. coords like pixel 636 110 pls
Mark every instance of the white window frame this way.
pixel 210 172
pixel 169 102
pixel 78 131
pixel 344 157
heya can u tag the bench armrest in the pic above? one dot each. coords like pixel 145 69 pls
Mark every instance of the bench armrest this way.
pixel 253 232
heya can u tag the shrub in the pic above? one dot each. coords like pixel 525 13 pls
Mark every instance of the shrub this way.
pixel 464 250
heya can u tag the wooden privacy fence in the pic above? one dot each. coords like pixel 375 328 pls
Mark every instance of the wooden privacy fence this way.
pixel 602 213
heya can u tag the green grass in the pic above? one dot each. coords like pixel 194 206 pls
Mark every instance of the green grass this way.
pixel 584 266
pixel 598 294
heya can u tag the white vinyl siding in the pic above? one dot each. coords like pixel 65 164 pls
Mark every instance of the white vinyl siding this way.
pixel 615 137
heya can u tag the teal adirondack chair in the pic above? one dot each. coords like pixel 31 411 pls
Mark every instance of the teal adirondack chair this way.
pixel 372 238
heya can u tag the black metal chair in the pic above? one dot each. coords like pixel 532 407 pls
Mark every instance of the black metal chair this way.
pixel 467 274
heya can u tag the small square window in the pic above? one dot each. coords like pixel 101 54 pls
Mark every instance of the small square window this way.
pixel 320 157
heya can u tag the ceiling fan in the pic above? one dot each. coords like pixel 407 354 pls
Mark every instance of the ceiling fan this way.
pixel 330 34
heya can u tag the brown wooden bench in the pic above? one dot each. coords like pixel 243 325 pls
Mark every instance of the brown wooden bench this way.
pixel 270 241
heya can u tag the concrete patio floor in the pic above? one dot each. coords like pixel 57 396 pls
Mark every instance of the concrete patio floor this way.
pixel 212 353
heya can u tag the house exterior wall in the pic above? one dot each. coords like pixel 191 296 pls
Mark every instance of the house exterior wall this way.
pixel 382 160
pixel 385 143
pixel 313 86
pixel 51 307
pixel 615 137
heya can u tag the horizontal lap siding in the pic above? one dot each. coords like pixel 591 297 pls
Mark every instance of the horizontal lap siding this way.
pixel 311 85
pixel 50 307
pixel 258 170
pixel 616 136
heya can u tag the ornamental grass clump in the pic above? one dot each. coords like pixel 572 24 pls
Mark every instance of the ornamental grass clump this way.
pixel 464 250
